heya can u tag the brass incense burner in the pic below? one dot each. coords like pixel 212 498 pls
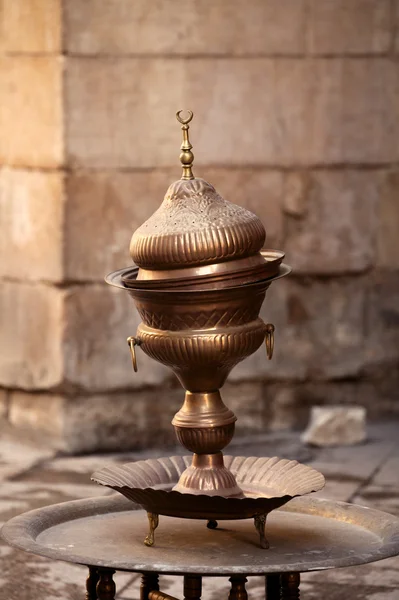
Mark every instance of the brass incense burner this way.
pixel 199 281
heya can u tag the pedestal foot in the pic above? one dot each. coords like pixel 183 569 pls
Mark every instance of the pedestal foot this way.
pixel 212 524
pixel 153 520
pixel 290 586
pixel 260 524
pixel 192 587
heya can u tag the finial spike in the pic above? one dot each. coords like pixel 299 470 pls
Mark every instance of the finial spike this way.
pixel 186 156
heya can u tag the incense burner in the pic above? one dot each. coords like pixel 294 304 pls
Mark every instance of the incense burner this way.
pixel 199 281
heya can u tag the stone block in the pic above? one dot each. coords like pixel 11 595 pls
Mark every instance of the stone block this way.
pixel 388 223
pixel 337 234
pixel 31 26
pixel 31 324
pixel 349 27
pixel 336 426
pixel 103 210
pixel 97 321
pixel 31 221
pixel 112 422
pixel 31 119
pixel 319 331
pixel 303 112
pixel 194 27
pixel 296 192
pixel 247 401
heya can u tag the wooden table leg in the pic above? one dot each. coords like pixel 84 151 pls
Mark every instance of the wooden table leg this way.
pixel 149 582
pixel 192 587
pixel 290 586
pixel 106 586
pixel 91 583
pixel 273 586
pixel 238 591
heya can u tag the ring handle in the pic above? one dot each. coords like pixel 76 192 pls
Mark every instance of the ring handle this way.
pixel 269 339
pixel 132 343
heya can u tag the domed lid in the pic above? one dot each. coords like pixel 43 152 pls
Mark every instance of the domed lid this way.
pixel 194 225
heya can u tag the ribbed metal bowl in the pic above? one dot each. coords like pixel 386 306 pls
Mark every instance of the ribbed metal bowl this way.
pixel 267 484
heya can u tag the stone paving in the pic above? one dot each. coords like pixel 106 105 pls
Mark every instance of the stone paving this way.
pixel 32 477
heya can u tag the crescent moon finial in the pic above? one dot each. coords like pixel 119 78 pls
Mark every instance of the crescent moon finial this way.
pixel 186 156
pixel 184 121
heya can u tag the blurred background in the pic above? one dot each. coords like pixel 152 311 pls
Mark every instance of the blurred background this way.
pixel 296 118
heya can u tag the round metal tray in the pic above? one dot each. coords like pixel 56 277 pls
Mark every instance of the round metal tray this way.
pixel 308 534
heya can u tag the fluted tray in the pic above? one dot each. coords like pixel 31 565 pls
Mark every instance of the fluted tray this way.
pixel 267 483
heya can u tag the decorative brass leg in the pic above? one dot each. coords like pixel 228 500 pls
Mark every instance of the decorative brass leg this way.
pixel 238 591
pixel 153 520
pixel 149 583
pixel 91 583
pixel 192 587
pixel 290 586
pixel 212 524
pixel 260 524
pixel 106 586
pixel 273 586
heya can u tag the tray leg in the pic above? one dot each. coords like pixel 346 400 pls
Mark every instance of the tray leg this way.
pixel 212 524
pixel 290 586
pixel 260 524
pixel 272 586
pixel 153 520
pixel 106 586
pixel 91 583
pixel 192 588
pixel 149 582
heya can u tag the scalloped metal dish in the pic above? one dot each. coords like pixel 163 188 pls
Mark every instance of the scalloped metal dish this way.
pixel 267 483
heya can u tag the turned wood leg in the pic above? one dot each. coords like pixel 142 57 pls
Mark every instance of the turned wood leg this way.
pixel 192 588
pixel 238 591
pixel 290 586
pixel 153 520
pixel 149 582
pixel 273 586
pixel 106 586
pixel 91 583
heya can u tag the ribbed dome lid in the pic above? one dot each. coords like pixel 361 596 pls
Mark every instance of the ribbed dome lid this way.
pixel 194 225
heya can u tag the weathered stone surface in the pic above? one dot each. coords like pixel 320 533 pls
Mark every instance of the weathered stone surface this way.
pixel 30 26
pixel 31 323
pixel 303 112
pixel 296 192
pixel 97 321
pixel 194 27
pixel 337 234
pixel 336 426
pixel 388 223
pixel 31 119
pixel 31 221
pixel 382 321
pixel 111 422
pixel 319 331
pixel 247 401
pixel 355 27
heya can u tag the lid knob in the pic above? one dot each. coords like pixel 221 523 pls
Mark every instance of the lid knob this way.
pixel 186 156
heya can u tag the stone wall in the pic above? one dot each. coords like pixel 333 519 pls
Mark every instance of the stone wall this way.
pixel 296 117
